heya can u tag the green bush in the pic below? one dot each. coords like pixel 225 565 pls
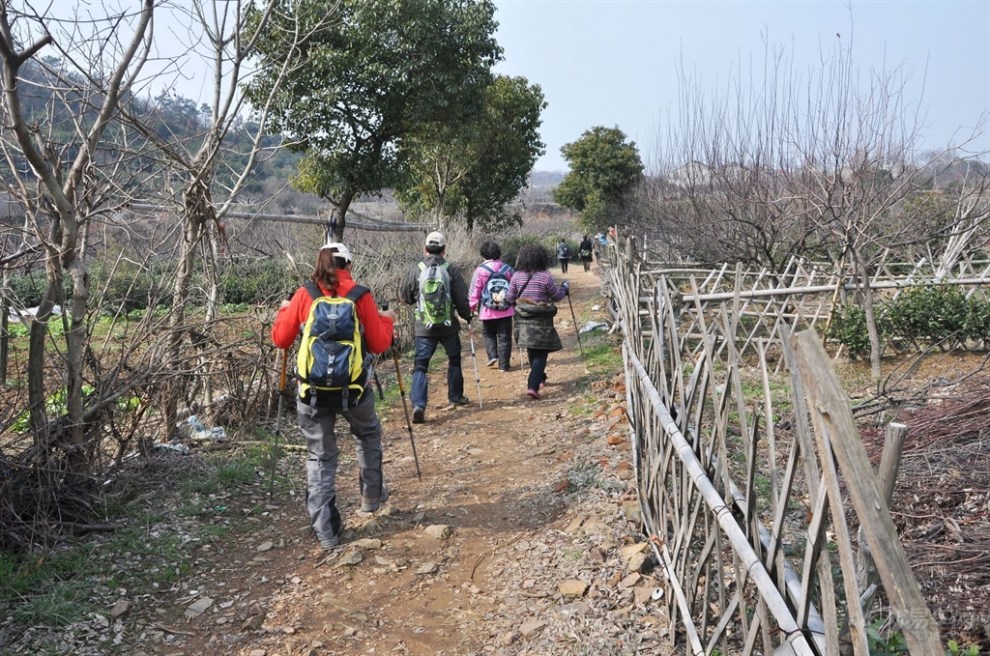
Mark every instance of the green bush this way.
pixel 511 246
pixel 27 289
pixel 929 313
pixel 849 328
pixel 256 281
pixel 131 286
pixel 976 325
pixel 937 314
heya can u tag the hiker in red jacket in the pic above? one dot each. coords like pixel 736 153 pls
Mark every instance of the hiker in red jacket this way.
pixel 316 419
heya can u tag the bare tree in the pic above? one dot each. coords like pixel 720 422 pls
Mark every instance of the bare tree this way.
pixel 53 157
pixel 212 166
pixel 819 167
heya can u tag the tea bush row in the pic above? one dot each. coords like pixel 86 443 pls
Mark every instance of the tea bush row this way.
pixel 133 287
pixel 935 314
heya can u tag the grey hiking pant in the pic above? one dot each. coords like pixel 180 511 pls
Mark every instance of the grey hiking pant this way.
pixel 317 425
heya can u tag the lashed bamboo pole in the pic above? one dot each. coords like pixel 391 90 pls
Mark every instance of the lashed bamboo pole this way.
pixel 838 436
pixel 818 289
pixel 720 511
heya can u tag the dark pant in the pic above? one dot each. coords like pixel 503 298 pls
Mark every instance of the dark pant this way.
pixel 563 265
pixel 425 347
pixel 586 263
pixel 537 368
pixel 498 340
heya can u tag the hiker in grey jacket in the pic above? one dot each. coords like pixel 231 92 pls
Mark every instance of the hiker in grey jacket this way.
pixel 433 330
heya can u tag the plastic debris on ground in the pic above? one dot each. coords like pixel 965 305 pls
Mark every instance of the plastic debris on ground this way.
pixel 194 429
pixel 593 325
pixel 171 447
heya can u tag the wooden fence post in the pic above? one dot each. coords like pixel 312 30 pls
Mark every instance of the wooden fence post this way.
pixel 838 437
pixel 866 569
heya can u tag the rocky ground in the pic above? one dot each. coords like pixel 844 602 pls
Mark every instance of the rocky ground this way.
pixel 521 538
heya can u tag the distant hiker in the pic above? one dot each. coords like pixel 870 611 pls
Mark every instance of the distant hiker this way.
pixel 534 291
pixel 324 310
pixel 584 252
pixel 563 254
pixel 488 298
pixel 438 291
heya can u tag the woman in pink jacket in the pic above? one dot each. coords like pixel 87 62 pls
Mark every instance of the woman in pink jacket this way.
pixel 487 298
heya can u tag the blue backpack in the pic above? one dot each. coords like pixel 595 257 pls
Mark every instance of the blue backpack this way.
pixel 332 366
pixel 496 289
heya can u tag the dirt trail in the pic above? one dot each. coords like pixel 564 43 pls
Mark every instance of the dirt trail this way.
pixel 497 477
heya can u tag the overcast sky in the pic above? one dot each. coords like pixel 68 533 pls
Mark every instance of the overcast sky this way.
pixel 614 62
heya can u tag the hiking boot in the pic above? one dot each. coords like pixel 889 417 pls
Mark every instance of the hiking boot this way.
pixel 461 401
pixel 328 544
pixel 369 504
pixel 492 363
pixel 533 394
pixel 419 415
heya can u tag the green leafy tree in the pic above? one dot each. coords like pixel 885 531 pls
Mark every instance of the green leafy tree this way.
pixel 369 80
pixel 604 169
pixel 477 167
pixel 509 147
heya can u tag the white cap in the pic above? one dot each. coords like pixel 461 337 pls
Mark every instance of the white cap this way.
pixel 436 239
pixel 339 250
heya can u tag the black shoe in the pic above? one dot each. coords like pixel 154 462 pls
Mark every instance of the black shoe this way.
pixel 461 401
pixel 419 415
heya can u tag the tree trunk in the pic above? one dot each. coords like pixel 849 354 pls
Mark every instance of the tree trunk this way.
pixel 869 310
pixel 194 217
pixel 37 338
pixel 338 216
pixel 4 331
pixel 74 313
pixel 213 293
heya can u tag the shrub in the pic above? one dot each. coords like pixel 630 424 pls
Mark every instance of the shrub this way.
pixel 849 329
pixel 256 281
pixel 27 289
pixel 131 286
pixel 929 313
pixel 511 246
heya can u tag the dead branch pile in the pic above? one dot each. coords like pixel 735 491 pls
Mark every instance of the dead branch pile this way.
pixel 942 507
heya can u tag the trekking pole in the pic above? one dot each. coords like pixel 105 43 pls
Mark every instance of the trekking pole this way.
pixel 474 356
pixel 405 409
pixel 378 384
pixel 405 406
pixel 278 418
pixel 574 319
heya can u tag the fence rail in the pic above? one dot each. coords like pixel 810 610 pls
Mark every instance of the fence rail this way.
pixel 803 295
pixel 752 478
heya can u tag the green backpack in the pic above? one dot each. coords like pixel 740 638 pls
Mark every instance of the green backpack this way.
pixel 434 306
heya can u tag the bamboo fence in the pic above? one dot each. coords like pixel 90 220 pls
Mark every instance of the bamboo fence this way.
pixel 752 477
pixel 804 294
